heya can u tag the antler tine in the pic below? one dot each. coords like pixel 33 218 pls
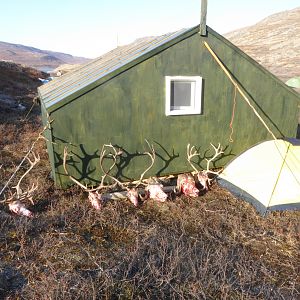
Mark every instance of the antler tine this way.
pixel 114 157
pixel 190 154
pixel 152 156
pixel 28 193
pixel 36 159
pixel 67 173
pixel 102 154
pixel 218 151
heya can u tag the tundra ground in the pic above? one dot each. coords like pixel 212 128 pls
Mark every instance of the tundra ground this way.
pixel 211 247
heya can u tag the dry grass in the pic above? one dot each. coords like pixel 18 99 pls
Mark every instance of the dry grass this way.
pixel 211 247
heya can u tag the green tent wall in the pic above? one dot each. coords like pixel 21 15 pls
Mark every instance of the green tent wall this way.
pixel 127 106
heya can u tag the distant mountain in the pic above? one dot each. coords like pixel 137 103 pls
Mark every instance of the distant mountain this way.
pixel 274 42
pixel 40 59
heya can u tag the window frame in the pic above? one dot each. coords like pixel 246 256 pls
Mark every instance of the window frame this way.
pixel 195 108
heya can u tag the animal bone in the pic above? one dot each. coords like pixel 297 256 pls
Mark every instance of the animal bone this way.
pixel 18 208
pixel 186 184
pixel 155 191
pixel 152 190
pixel 96 200
pixel 204 180
pixel 133 196
pixel 132 193
pixel 190 153
pixel 114 156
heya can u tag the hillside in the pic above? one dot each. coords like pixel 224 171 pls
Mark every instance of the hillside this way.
pixel 274 42
pixel 36 58
pixel 18 85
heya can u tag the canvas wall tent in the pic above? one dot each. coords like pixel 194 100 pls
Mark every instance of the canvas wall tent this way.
pixel 267 175
pixel 168 90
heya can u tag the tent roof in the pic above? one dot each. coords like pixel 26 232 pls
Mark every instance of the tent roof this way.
pixel 61 87
pixel 71 85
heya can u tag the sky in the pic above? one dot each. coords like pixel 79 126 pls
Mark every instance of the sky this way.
pixel 90 28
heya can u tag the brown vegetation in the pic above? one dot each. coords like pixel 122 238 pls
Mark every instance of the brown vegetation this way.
pixel 210 247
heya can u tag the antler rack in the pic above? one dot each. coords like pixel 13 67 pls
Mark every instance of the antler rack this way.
pixel 151 154
pixel 19 194
pixel 203 176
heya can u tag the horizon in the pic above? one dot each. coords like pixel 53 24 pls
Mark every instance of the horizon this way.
pixel 132 20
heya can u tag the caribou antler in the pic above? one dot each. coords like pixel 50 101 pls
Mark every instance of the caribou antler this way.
pixel 190 153
pixel 132 193
pixel 151 154
pixel 108 150
pixel 94 195
pixel 15 200
pixel 114 156
pixel 218 151
pixel 27 195
pixel 153 190
pixel 85 188
pixel 203 176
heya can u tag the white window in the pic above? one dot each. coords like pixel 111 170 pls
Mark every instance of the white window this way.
pixel 183 95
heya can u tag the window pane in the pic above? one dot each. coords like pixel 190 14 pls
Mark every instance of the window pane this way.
pixel 181 94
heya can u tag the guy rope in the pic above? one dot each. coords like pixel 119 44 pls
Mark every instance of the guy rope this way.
pixel 237 87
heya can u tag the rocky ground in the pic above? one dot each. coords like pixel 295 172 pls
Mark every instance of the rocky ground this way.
pixel 274 42
pixel 18 87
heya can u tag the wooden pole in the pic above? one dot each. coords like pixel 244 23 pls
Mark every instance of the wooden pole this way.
pixel 238 88
pixel 202 28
